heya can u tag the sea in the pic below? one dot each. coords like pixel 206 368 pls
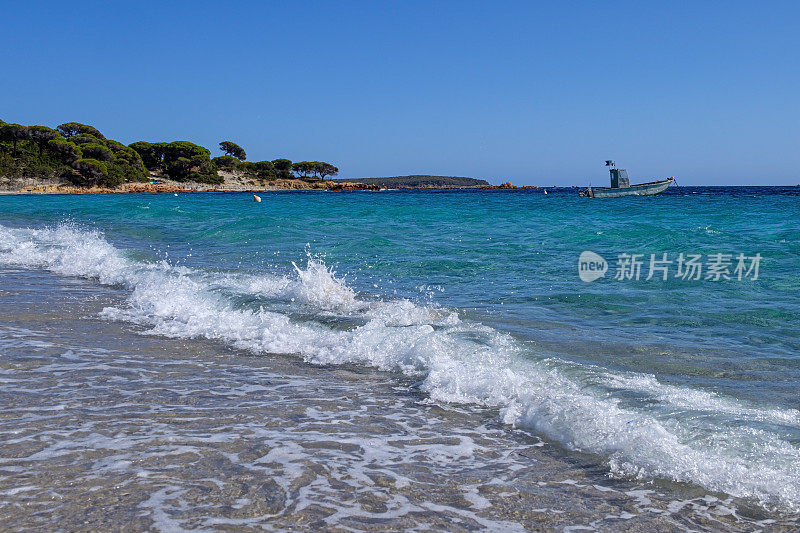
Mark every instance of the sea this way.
pixel 462 360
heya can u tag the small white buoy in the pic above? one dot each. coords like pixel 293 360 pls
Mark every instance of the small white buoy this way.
pixel 256 198
pixel 545 191
pixel 176 194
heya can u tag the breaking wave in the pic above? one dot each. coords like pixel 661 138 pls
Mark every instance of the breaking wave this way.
pixel 642 427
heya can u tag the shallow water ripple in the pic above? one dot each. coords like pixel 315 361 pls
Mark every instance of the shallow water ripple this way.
pixel 148 433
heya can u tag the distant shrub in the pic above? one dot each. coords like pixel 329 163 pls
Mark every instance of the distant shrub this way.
pixel 96 151
pixel 86 138
pixel 91 171
pixel 67 151
pixel 14 133
pixel 283 167
pixel 233 149
pixel 323 169
pixel 30 163
pixel 41 135
pixel 227 162
pixel 70 129
pixel 303 169
pixel 178 149
pixel 265 170
pixel 152 154
pixel 126 163
pixel 178 160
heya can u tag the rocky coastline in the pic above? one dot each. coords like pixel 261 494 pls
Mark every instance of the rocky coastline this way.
pixel 232 183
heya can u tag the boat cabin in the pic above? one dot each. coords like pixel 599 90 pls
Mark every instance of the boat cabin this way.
pixel 619 176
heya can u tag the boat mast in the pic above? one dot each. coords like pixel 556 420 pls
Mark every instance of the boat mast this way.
pixel 611 168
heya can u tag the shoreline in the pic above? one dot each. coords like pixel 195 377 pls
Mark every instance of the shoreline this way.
pixel 185 187
pixel 251 396
pixel 232 181
pixel 166 186
pixel 260 407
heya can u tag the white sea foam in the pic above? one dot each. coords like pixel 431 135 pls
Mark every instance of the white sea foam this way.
pixel 678 433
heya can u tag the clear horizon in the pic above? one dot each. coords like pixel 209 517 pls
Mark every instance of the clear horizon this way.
pixel 535 94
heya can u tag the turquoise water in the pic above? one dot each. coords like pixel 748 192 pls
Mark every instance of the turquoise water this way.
pixel 476 294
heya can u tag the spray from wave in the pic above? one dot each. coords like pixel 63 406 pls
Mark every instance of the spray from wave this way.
pixel 677 433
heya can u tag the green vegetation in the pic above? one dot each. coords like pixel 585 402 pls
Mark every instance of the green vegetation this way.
pixel 283 167
pixel 70 129
pixel 185 161
pixel 261 170
pixel 319 169
pixel 73 151
pixel 178 160
pixel 82 155
pixel 226 162
pixel 42 135
pixel 234 161
pixel 303 168
pixel 233 149
pixel 323 169
pixel 66 151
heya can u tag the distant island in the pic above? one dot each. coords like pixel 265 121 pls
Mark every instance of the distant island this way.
pixel 419 181
pixel 75 157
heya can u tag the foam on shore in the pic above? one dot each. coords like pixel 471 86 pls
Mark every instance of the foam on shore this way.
pixel 666 431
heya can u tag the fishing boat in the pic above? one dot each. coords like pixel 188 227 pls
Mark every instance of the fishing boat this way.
pixel 621 185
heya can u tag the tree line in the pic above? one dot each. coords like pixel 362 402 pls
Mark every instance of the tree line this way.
pixel 84 156
pixel 235 159
pixel 74 151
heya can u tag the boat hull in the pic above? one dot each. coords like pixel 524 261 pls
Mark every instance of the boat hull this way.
pixel 642 189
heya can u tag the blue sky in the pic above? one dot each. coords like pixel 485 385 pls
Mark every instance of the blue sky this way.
pixel 532 92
